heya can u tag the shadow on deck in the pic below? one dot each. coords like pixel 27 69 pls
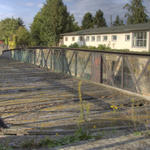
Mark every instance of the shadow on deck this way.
pixel 35 103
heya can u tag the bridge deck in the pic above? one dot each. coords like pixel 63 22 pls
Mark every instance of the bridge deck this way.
pixel 34 101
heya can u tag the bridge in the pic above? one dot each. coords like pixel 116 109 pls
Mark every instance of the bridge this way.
pixel 43 90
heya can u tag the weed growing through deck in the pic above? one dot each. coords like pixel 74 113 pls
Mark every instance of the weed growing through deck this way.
pixel 2 147
pixel 133 114
pixel 115 108
pixel 29 144
pixel 82 132
pixel 137 133
pixel 82 114
pixel 79 135
pixel 84 108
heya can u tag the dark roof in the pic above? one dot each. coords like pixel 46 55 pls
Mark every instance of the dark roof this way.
pixel 115 29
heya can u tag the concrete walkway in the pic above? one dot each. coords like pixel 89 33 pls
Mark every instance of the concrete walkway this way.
pixel 35 103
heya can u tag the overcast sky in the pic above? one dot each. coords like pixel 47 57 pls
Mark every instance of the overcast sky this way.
pixel 27 9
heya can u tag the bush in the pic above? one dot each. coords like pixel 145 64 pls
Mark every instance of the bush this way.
pixel 75 45
pixel 84 47
pixel 103 47
pixel 92 47
pixel 63 46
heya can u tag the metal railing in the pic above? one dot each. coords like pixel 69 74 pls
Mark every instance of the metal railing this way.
pixel 130 71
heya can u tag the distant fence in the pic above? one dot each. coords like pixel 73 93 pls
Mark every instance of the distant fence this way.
pixel 130 71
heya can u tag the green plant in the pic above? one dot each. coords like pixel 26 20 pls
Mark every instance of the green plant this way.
pixel 133 115
pixel 79 135
pixel 84 47
pixel 29 144
pixel 63 46
pixel 103 47
pixel 92 47
pixel 84 107
pixel 75 45
pixel 147 133
pixel 82 114
pixel 47 142
pixel 137 133
pixel 82 134
pixel 2 147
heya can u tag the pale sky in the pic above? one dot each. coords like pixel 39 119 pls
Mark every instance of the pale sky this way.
pixel 27 9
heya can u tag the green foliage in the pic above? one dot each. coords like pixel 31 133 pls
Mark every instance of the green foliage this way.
pixel 72 24
pixel 52 20
pixel 48 142
pixel 88 21
pixel 8 27
pixel 103 47
pixel 137 133
pixel 92 47
pixel 29 144
pixel 136 12
pixel 84 47
pixel 79 135
pixel 64 46
pixel 147 133
pixel 99 19
pixel 118 21
pixel 22 37
pixel 36 31
pixel 2 147
pixel 100 47
pixel 75 45
pixel 20 22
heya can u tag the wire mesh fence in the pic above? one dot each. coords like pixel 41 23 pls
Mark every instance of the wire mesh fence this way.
pixel 122 70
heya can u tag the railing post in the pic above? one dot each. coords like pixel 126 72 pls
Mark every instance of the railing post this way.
pixel 62 60
pixel 76 63
pixel 51 59
pixel 122 73
pixel 54 60
pixel 41 60
pixel 101 68
pixel 34 54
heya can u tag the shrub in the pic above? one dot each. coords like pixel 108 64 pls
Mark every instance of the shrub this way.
pixel 84 47
pixel 75 45
pixel 92 47
pixel 103 47
pixel 63 46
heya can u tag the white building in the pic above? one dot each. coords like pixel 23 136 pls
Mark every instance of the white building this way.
pixel 132 37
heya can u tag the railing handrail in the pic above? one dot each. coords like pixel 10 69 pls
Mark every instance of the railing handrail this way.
pixel 145 54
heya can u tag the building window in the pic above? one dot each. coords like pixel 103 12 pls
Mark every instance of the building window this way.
pixel 104 38
pixel 139 39
pixel 93 38
pixel 66 38
pixel 81 38
pixel 98 38
pixel 114 38
pixel 87 38
pixel 73 38
pixel 127 37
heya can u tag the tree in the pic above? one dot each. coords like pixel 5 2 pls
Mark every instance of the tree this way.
pixel 35 28
pixel 99 19
pixel 136 12
pixel 22 37
pixel 50 22
pixel 88 21
pixel 118 21
pixel 8 28
pixel 20 22
pixel 72 24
